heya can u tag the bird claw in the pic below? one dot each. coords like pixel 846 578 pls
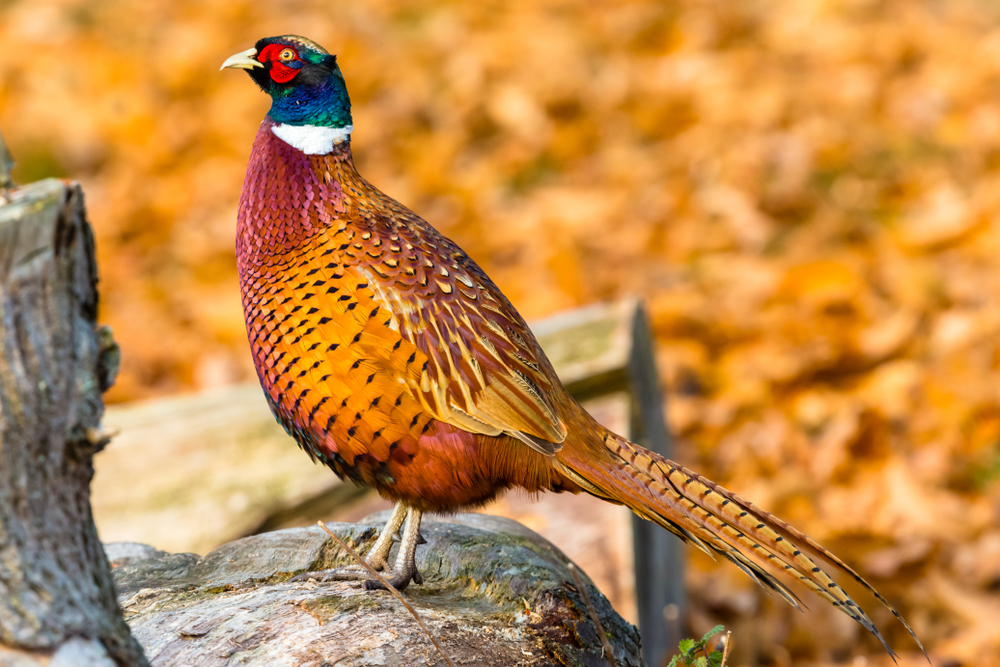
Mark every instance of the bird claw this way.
pixel 348 573
pixel 319 575
pixel 305 576
pixel 399 580
pixel 405 569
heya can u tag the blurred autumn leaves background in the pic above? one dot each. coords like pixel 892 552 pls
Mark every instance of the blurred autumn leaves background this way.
pixel 806 193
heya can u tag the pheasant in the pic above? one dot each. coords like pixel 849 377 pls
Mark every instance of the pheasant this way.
pixel 391 357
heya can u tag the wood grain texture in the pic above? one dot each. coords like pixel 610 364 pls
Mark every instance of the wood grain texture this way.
pixel 55 582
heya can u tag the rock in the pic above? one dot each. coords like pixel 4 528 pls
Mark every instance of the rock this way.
pixel 494 594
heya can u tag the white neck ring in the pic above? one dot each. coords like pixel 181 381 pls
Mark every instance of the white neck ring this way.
pixel 312 139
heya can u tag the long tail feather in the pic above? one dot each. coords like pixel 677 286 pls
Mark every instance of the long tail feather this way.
pixel 717 521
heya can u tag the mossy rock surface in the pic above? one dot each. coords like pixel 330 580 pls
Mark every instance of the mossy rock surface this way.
pixel 494 594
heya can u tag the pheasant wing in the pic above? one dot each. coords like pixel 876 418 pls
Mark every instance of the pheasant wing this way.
pixel 474 363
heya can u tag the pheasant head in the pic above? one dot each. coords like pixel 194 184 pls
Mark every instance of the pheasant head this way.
pixel 309 101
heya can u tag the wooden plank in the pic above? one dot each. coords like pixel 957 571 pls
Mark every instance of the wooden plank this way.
pixel 589 347
pixel 190 472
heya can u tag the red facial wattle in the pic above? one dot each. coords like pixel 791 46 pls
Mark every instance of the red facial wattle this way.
pixel 281 71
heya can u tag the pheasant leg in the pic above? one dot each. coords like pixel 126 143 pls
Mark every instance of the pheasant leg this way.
pixel 405 569
pixel 378 556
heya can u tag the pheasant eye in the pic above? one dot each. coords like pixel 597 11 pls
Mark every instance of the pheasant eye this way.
pixel 286 55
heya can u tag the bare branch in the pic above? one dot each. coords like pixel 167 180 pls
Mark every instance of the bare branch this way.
pixel 608 652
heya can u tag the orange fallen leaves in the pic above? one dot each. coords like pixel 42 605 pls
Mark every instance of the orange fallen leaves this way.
pixel 806 194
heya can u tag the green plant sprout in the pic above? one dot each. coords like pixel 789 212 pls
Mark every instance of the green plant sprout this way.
pixel 689 650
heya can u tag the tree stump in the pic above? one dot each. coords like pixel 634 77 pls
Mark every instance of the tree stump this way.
pixel 495 594
pixel 57 598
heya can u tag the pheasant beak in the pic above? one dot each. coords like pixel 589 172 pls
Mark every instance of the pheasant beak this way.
pixel 242 60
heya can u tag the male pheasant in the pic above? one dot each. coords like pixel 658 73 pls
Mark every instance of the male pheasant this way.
pixel 391 357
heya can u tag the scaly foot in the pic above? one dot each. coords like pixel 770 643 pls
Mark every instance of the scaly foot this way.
pixel 405 569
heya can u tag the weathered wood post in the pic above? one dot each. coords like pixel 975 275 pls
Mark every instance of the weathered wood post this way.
pixel 659 556
pixel 57 599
